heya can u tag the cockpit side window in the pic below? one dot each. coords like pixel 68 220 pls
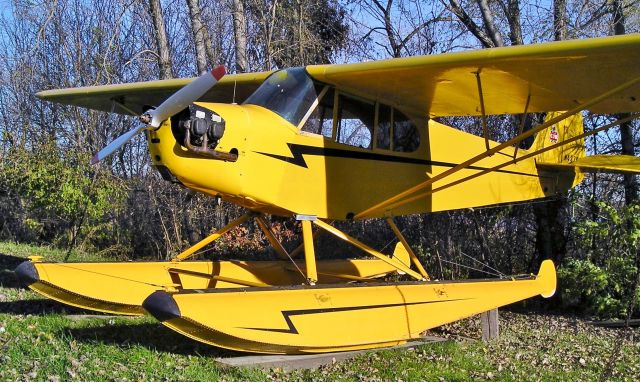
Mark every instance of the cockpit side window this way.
pixel 321 119
pixel 289 93
pixel 320 109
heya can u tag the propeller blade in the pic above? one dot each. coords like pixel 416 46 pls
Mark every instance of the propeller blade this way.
pixel 185 96
pixel 116 143
pixel 171 106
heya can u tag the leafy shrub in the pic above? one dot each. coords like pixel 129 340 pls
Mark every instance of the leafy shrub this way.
pixel 603 283
pixel 50 194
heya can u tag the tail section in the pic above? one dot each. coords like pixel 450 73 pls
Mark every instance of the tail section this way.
pixel 571 158
pixel 557 133
pixel 556 163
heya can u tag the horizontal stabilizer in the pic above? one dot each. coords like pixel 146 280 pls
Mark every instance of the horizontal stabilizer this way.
pixel 621 164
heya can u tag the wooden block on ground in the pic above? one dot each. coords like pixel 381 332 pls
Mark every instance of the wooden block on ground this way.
pixel 490 327
pixel 310 361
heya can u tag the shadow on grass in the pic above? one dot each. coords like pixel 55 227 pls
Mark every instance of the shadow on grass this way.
pixel 8 264
pixel 154 337
pixel 39 307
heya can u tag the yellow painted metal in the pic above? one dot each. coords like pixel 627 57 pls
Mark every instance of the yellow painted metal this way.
pixel 384 269
pixel 283 171
pixel 217 278
pixel 623 164
pixel 555 75
pixel 311 319
pixel 407 248
pixel 121 287
pixel 397 199
pixel 571 177
pixel 136 95
pixel 483 115
pixel 435 85
pixel 401 254
pixel 213 237
pixel 389 260
pixel 523 122
pixel 309 252
pixel 264 226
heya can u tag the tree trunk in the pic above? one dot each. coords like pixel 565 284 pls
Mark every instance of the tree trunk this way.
pixel 164 54
pixel 212 54
pixel 515 27
pixel 551 241
pixel 490 26
pixel 240 35
pixel 560 20
pixel 626 133
pixel 463 16
pixel 198 30
pixel 550 238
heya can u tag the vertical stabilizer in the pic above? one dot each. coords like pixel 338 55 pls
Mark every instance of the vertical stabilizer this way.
pixel 557 133
pixel 564 155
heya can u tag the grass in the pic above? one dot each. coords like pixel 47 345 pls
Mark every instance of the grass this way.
pixel 41 340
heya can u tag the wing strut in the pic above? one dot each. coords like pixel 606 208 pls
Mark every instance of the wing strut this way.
pixel 393 200
pixel 522 123
pixel 485 130
pixel 498 167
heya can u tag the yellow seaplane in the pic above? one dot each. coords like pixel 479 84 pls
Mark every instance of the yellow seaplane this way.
pixel 324 143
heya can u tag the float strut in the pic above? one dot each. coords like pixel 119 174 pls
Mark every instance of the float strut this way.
pixel 213 237
pixel 404 242
pixel 309 252
pixel 389 260
pixel 280 250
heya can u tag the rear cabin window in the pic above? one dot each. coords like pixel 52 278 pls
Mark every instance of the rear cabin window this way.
pixel 357 119
pixel 396 131
pixel 406 137
pixel 383 133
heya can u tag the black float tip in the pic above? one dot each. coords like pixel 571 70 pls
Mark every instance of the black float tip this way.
pixel 27 273
pixel 162 306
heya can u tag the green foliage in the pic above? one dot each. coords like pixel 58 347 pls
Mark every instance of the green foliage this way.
pixel 603 283
pixel 51 192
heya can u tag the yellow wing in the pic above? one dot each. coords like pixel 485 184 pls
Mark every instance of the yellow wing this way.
pixel 138 94
pixel 557 76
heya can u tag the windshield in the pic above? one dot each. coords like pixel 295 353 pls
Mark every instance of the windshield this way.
pixel 288 92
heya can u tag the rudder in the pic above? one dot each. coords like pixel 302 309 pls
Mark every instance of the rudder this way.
pixel 559 132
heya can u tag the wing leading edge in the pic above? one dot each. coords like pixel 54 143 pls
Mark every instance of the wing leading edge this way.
pixel 134 96
pixel 552 76
pixel 556 76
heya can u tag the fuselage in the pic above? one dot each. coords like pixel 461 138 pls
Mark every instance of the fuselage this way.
pixel 346 165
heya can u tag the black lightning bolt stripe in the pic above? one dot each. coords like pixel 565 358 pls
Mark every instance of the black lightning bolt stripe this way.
pixel 291 328
pixel 299 150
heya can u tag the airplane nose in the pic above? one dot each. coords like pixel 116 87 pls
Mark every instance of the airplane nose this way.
pixel 27 273
pixel 162 306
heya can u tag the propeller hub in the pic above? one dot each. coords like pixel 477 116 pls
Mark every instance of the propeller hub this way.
pixel 146 118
